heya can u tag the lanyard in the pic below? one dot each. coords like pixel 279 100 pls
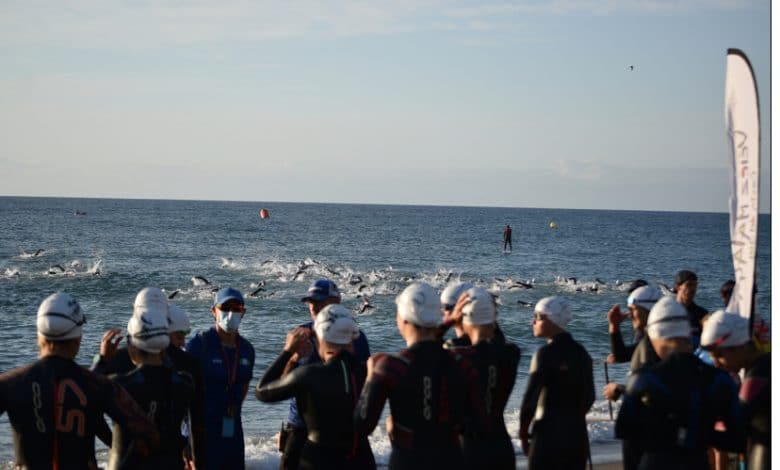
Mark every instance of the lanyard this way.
pixel 231 374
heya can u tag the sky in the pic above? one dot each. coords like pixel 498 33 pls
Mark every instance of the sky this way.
pixel 505 103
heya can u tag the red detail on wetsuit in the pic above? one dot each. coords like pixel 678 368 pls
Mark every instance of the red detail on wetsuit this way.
pixel 751 388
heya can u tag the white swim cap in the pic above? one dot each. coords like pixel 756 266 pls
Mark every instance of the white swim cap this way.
pixel 668 319
pixel 149 296
pixel 480 309
pixel 645 296
pixel 179 319
pixel 419 304
pixel 335 324
pixel 451 294
pixel 60 318
pixel 557 310
pixel 723 330
pixel 148 328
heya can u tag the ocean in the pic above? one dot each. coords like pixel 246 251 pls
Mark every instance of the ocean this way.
pixel 113 248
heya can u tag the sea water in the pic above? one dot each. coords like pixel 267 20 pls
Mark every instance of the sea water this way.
pixel 103 251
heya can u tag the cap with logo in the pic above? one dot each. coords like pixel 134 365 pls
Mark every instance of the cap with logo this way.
pixel 557 309
pixel 480 308
pixel 320 290
pixel 725 329
pixel 419 304
pixel 60 317
pixel 451 294
pixel 668 319
pixel 336 324
pixel 148 328
pixel 645 297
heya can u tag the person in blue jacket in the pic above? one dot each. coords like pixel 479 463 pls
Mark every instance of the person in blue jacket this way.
pixel 226 360
pixel 321 293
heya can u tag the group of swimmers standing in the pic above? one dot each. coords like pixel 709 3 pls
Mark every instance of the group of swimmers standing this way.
pixel 177 405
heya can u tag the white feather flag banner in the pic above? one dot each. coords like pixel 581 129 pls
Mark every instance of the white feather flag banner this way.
pixel 742 123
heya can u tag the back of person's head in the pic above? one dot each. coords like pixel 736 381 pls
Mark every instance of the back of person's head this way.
pixel 451 294
pixel 419 305
pixel 668 319
pixel 725 330
pixel 148 328
pixel 726 290
pixel 480 308
pixel 60 318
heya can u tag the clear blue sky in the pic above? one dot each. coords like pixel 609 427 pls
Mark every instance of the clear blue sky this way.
pixel 519 104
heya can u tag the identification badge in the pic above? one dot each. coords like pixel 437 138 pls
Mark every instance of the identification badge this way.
pixel 228 425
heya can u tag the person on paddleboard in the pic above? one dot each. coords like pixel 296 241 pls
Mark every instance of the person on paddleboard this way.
pixel 508 237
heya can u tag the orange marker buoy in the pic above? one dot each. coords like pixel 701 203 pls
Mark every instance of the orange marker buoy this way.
pixel 264 213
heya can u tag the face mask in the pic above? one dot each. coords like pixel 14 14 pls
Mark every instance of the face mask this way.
pixel 229 321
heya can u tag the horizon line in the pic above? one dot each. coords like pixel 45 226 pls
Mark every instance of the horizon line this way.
pixel 726 212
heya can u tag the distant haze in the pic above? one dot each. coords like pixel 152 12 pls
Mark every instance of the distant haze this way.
pixel 517 104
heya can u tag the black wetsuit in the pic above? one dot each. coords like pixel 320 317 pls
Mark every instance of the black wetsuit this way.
pixel 755 396
pixel 175 359
pixel 459 341
pixel 670 410
pixel 326 395
pixel 56 393
pixel 695 315
pixel 427 389
pixel 643 355
pixel 165 396
pixel 486 443
pixel 559 393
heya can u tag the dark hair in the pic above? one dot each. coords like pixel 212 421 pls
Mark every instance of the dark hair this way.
pixel 684 276
pixel 726 290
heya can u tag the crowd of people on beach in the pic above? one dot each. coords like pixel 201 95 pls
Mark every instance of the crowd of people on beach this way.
pixel 698 396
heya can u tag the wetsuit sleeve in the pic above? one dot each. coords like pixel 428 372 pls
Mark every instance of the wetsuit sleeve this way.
pixel 374 394
pixel 125 412
pixel 273 387
pixel 621 352
pixel 590 388
pixel 535 384
pixel 362 351
pixel 734 438
pixel 627 422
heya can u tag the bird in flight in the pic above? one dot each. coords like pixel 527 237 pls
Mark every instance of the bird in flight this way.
pixel 631 68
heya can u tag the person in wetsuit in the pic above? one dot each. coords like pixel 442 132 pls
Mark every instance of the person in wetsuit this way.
pixel 54 404
pixel 486 443
pixel 508 237
pixel 727 338
pixel 559 393
pixel 113 360
pixel 164 394
pixel 449 297
pixel 426 387
pixel 685 285
pixel 641 353
pixel 670 408
pixel 226 360
pixel 326 393
pixel 321 293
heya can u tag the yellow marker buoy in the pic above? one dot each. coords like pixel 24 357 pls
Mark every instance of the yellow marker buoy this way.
pixel 553 225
